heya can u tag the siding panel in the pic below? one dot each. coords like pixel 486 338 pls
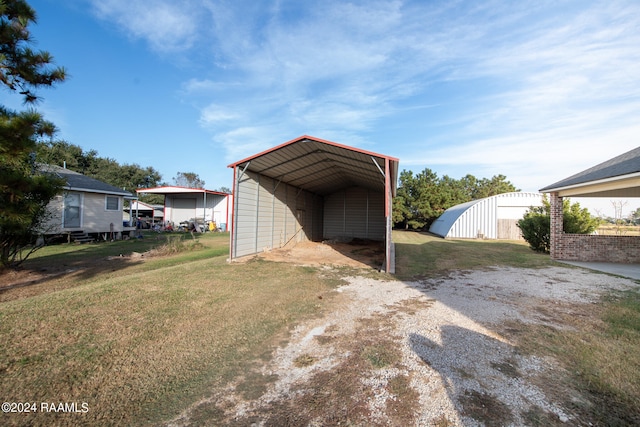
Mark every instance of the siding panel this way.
pixel 377 226
pixel 267 214
pixel 354 213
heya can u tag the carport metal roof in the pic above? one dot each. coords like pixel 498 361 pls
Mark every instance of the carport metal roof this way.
pixel 322 167
pixel 177 190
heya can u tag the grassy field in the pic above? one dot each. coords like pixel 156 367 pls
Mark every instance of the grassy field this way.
pixel 140 344
pixel 619 230
pixel 140 337
pixel 423 255
pixel 600 354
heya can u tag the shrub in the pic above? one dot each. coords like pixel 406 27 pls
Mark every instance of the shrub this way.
pixel 536 223
pixel 536 229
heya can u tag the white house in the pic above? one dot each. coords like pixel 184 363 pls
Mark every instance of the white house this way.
pixel 86 206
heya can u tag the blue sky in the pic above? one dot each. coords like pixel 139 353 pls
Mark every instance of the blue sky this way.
pixel 534 90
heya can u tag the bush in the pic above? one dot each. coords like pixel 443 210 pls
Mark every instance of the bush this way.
pixel 536 229
pixel 536 223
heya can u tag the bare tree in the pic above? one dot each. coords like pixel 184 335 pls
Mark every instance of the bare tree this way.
pixel 618 205
pixel 188 179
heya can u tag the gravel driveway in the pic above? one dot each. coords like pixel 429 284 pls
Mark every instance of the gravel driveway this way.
pixel 451 341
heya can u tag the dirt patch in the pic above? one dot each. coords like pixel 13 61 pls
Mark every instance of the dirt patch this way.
pixel 356 253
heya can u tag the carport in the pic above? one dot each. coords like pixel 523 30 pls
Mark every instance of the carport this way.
pixel 311 189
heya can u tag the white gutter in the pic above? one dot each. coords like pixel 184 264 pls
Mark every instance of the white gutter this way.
pixel 91 190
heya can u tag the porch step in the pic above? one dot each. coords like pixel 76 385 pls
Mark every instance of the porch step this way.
pixel 80 237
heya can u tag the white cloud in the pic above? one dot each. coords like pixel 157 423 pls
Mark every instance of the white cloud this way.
pixel 166 25
pixel 562 98
pixel 213 114
pixel 243 142
pixel 530 160
pixel 515 89
pixel 205 86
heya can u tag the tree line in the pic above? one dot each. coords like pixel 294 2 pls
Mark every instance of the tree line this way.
pixel 129 177
pixel 126 176
pixel 420 200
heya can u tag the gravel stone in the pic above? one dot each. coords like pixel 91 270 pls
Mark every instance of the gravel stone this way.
pixel 449 339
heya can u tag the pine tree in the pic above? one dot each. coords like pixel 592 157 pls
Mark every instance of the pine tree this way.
pixel 24 190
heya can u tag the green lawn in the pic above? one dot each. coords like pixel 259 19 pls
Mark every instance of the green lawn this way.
pixel 424 255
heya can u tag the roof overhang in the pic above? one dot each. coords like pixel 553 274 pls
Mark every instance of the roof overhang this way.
pixel 145 206
pixel 323 167
pixel 125 194
pixel 178 190
pixel 619 186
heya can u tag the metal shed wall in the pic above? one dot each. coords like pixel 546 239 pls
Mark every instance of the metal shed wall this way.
pixel 187 206
pixel 269 214
pixel 354 213
pixel 481 218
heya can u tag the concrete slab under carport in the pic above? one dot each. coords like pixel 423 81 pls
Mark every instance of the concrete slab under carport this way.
pixel 632 271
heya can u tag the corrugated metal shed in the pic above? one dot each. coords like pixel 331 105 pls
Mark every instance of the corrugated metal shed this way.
pixel 309 188
pixel 184 204
pixel 490 218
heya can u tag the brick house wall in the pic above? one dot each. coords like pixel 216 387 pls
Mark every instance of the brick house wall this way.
pixel 589 247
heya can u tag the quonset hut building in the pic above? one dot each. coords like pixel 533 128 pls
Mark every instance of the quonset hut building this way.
pixel 493 217
pixel 312 189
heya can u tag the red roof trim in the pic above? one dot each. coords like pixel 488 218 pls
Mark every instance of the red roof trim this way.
pixel 191 190
pixel 313 138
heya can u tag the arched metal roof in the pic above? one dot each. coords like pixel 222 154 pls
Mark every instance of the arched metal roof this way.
pixel 480 217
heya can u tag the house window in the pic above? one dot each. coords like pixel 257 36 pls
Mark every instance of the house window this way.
pixel 113 203
pixel 72 210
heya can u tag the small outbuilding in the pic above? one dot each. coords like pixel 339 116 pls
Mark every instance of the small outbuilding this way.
pixel 312 189
pixel 196 205
pixel 493 217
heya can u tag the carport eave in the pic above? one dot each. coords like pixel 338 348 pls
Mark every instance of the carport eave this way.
pixel 174 189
